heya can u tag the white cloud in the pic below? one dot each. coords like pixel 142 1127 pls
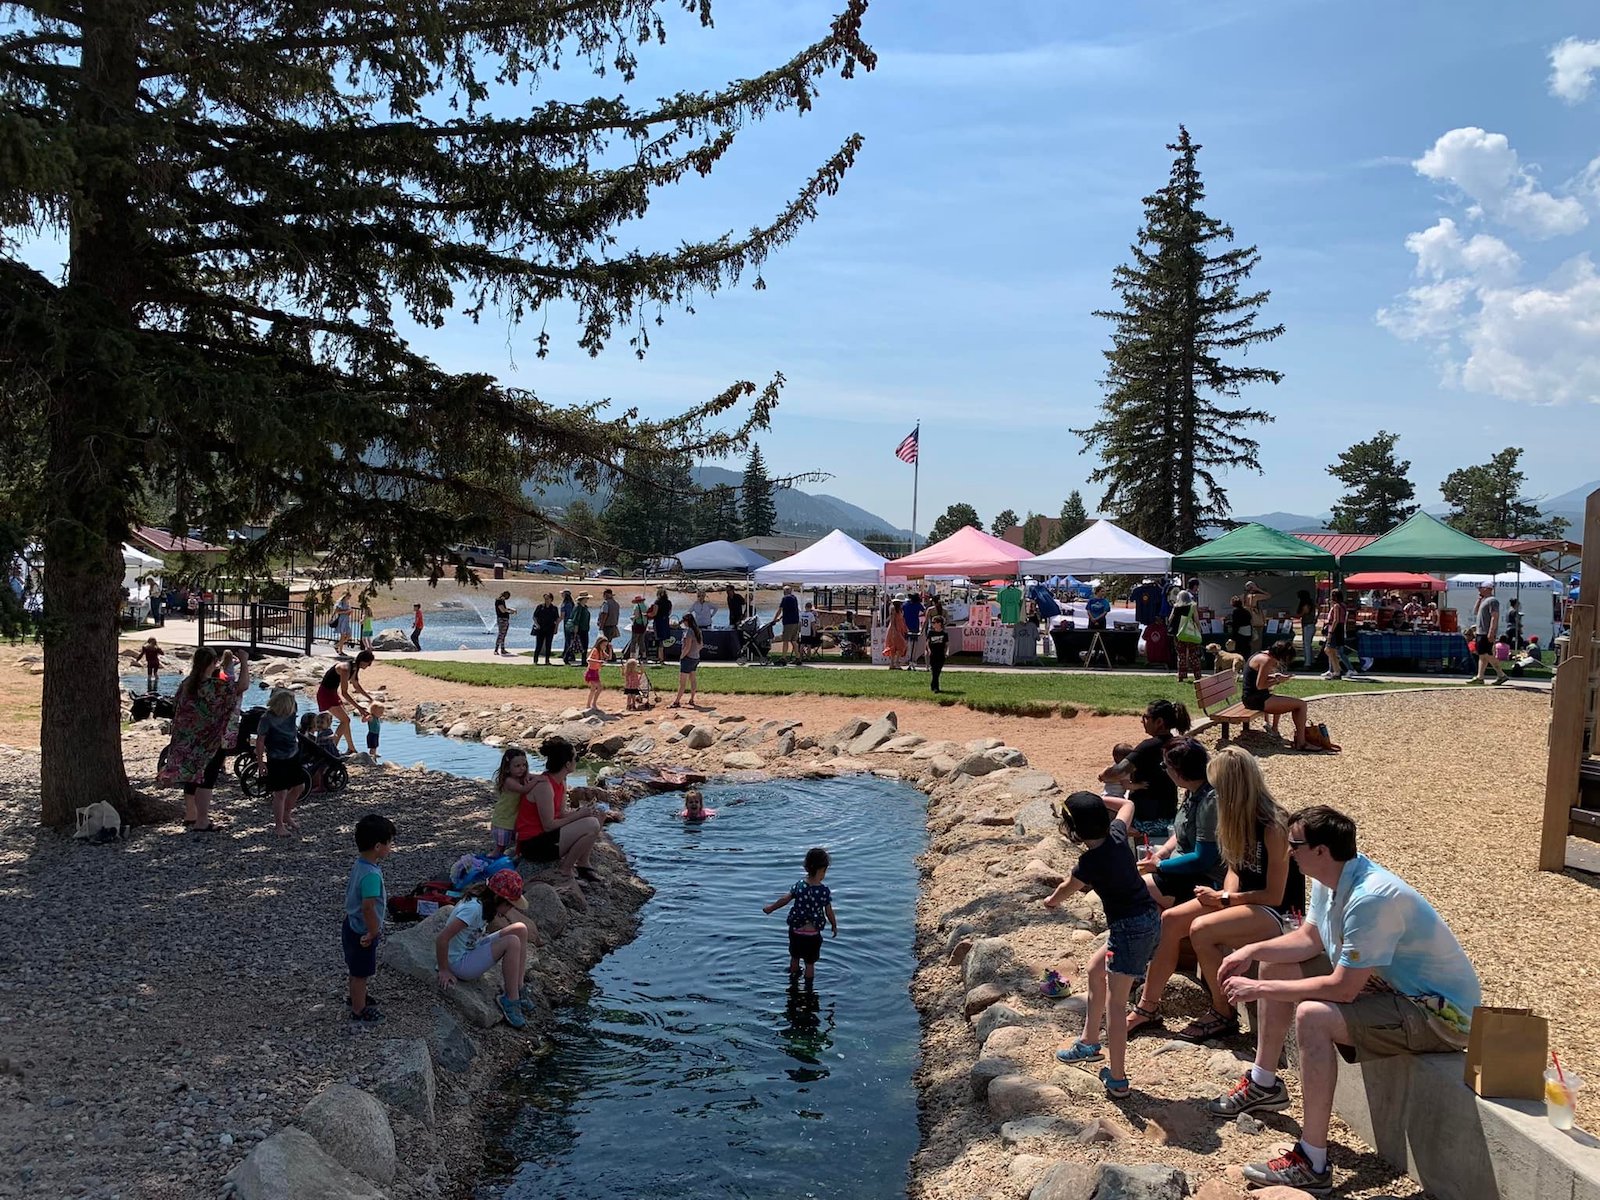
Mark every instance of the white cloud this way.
pixel 1572 69
pixel 1441 252
pixel 1486 169
pixel 1532 343
pixel 1587 183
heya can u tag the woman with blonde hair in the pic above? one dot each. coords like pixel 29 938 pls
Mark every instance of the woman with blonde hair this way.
pixel 1261 893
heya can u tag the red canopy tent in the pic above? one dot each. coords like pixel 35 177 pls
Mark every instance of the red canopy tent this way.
pixel 1398 581
pixel 967 551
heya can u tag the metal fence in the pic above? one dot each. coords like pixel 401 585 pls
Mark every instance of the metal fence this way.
pixel 284 628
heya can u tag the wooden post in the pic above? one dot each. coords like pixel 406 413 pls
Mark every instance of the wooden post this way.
pixel 311 624
pixel 1569 703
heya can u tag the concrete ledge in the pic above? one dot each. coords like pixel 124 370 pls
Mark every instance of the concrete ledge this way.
pixel 1416 1112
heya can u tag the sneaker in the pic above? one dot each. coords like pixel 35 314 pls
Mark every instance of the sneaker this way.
pixel 512 1011
pixel 1366 664
pixel 1501 679
pixel 367 1016
pixel 1292 1169
pixel 1053 987
pixel 1329 675
pixel 1249 1096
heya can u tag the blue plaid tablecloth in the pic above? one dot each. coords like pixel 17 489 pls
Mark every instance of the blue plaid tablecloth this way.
pixel 1440 647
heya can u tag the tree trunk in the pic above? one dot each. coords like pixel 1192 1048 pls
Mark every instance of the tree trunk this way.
pixel 80 730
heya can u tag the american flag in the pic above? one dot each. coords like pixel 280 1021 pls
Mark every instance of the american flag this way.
pixel 906 451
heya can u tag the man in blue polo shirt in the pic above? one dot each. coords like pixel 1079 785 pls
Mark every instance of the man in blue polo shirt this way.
pixel 1373 972
pixel 911 611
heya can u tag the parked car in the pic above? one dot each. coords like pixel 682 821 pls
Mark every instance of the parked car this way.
pixel 545 566
pixel 606 573
pixel 475 556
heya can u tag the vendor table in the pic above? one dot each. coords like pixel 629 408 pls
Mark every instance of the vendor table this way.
pixel 720 644
pixel 1121 644
pixel 1448 648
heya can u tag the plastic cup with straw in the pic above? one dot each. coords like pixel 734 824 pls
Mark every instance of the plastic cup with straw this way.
pixel 1561 1094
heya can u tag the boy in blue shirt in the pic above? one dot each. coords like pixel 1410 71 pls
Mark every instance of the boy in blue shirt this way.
pixel 366 899
pixel 813 902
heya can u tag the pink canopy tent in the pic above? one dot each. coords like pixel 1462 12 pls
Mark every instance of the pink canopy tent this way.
pixel 967 551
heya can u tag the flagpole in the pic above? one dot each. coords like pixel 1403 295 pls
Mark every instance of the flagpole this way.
pixel 916 467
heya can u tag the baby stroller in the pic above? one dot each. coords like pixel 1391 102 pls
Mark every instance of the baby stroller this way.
pixel 755 642
pixel 164 706
pixel 645 697
pixel 325 771
pixel 152 704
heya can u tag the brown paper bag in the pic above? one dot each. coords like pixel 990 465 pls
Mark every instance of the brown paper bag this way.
pixel 1506 1053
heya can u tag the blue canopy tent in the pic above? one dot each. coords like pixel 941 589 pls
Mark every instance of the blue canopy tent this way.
pixel 720 557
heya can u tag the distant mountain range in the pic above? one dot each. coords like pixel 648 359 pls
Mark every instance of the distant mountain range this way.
pixel 798 511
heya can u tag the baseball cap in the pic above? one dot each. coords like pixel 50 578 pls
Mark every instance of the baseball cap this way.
pixel 1086 815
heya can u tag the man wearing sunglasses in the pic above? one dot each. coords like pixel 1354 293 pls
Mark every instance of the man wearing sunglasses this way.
pixel 1373 972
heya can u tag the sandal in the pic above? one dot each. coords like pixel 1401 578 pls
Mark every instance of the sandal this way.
pixel 209 827
pixel 1212 1025
pixel 1149 1022
pixel 589 873
pixel 1080 1052
pixel 1117 1089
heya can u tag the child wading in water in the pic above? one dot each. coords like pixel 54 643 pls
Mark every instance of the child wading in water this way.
pixel 365 901
pixel 511 783
pixel 374 728
pixel 813 902
pixel 150 655
pixel 694 809
pixel 1107 868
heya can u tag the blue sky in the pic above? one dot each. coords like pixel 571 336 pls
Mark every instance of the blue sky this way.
pixel 1007 148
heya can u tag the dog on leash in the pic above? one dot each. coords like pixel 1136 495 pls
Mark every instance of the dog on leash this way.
pixel 1226 660
pixel 98 822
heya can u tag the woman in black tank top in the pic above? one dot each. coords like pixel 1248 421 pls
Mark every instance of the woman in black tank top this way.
pixel 1263 890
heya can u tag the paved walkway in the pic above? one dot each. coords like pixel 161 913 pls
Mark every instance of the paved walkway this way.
pixel 183 630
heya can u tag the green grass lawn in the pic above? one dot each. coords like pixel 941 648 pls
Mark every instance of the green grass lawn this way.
pixel 1032 694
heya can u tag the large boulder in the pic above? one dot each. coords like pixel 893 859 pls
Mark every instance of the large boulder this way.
pixel 1026 784
pixel 700 737
pixel 1007 756
pixel 1026 1129
pixel 996 1016
pixel 975 763
pixel 353 1128
pixel 452 1045
pixel 392 639
pixel 1065 1181
pixel 905 743
pixel 874 735
pixel 1021 1095
pixel 609 746
pixel 546 908
pixel 290 1165
pixel 469 730
pixel 577 733
pixel 989 1068
pixel 411 952
pixel 990 960
pixel 1139 1181
pixel 930 750
pixel 981 997
pixel 406 1082
pixel 846 733
pixel 743 760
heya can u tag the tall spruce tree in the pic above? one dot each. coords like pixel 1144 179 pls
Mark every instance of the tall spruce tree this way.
pixel 1487 501
pixel 1033 537
pixel 1074 517
pixel 1169 423
pixel 758 514
pixel 651 507
pixel 255 200
pixel 1375 487
pixel 1004 521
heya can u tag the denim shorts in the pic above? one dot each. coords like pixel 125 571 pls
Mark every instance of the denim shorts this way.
pixel 1132 943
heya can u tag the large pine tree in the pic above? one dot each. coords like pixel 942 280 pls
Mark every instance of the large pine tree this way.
pixel 1376 487
pixel 255 199
pixel 758 511
pixel 1487 501
pixel 1170 423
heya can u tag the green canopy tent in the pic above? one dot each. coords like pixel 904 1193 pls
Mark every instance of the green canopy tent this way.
pixel 1255 547
pixel 1425 543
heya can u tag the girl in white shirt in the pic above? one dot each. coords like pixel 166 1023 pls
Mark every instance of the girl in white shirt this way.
pixel 467 950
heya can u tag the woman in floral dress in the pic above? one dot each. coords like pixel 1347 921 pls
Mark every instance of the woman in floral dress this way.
pixel 206 720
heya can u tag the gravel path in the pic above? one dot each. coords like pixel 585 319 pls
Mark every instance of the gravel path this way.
pixel 169 1001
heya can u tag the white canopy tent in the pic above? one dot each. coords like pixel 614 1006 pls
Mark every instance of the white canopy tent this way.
pixel 1101 549
pixel 1539 594
pixel 837 560
pixel 136 564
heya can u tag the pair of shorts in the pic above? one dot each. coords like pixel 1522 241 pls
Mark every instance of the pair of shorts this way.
pixel 592 675
pixel 284 774
pixel 688 666
pixel 477 961
pixel 1180 885
pixel 628 691
pixel 372 741
pixel 503 838
pixel 362 960
pixel 1384 1024
pixel 791 633
pixel 328 698
pixel 546 847
pixel 209 778
pixel 1132 943
pixel 807 947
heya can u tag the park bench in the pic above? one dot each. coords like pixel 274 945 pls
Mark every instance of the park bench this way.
pixel 1217 696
